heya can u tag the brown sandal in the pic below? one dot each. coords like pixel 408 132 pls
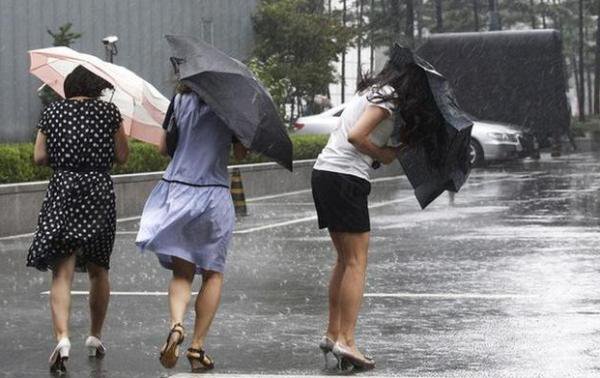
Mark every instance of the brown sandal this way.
pixel 199 360
pixel 170 352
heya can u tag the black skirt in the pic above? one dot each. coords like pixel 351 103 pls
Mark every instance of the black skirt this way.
pixel 341 201
pixel 78 216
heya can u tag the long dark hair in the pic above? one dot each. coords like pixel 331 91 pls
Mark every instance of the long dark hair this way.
pixel 417 117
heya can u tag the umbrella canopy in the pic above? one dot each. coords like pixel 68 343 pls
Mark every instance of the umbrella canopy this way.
pixel 427 179
pixel 234 94
pixel 142 106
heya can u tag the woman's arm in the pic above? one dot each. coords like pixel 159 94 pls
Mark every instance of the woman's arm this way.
pixel 40 154
pixel 359 135
pixel 121 146
pixel 162 145
pixel 239 151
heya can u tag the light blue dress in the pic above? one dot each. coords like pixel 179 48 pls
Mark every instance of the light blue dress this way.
pixel 190 214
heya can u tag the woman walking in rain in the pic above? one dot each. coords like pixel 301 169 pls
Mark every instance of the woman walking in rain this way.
pixel 188 221
pixel 340 186
pixel 79 138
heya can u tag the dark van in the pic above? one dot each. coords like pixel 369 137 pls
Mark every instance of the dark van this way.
pixel 514 77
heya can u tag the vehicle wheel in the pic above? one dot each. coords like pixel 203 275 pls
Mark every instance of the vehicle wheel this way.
pixel 476 157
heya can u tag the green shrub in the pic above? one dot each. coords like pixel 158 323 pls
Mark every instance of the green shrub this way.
pixel 11 167
pixel 16 160
pixel 308 146
pixel 142 158
pixel 305 147
pixel 591 124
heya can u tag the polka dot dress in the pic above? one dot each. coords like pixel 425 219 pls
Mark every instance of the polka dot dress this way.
pixel 78 213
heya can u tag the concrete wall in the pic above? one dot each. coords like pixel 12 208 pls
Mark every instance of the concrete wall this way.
pixel 21 203
pixel 140 26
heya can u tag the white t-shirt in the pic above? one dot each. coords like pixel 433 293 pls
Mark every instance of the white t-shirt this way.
pixel 341 156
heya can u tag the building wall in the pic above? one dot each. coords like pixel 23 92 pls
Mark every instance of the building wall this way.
pixel 140 26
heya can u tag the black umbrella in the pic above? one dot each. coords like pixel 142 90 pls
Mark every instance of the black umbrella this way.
pixel 234 94
pixel 429 180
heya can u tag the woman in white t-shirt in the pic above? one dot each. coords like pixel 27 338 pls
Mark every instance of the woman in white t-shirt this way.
pixel 340 186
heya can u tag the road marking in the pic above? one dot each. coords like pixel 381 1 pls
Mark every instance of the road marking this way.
pixel 278 195
pixel 126 233
pixel 190 375
pixel 12 237
pixel 123 293
pixel 274 225
pixel 450 295
pixel 137 217
pixel 366 295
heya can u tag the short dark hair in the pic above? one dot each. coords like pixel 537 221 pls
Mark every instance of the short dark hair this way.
pixel 82 82
pixel 182 88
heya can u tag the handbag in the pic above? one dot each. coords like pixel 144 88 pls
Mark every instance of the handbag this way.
pixel 172 129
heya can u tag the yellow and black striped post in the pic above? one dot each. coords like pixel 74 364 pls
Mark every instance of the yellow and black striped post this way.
pixel 237 193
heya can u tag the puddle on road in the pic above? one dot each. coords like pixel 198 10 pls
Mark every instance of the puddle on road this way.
pixel 556 233
pixel 433 215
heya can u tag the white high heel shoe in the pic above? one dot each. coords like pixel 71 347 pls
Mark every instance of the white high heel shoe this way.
pixel 348 360
pixel 59 355
pixel 95 347
pixel 326 346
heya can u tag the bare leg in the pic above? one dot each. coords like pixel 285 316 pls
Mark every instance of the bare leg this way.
pixel 355 247
pixel 180 289
pixel 99 297
pixel 335 283
pixel 60 296
pixel 207 304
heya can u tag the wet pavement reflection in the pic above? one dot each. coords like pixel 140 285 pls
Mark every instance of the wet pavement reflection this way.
pixel 504 281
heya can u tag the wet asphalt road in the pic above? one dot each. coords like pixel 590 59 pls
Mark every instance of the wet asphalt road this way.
pixel 504 283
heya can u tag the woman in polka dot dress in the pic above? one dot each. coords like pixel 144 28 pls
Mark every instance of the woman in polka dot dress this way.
pixel 80 138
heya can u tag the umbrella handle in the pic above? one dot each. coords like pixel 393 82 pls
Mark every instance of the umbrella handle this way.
pixel 175 62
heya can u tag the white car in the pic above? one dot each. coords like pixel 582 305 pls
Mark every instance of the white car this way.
pixel 490 141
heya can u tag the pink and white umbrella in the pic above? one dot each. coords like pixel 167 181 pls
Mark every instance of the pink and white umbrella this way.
pixel 142 106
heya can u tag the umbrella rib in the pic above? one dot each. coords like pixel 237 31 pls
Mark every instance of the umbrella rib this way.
pixel 61 93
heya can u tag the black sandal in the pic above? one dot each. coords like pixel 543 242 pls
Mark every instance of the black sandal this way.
pixel 170 352
pixel 199 360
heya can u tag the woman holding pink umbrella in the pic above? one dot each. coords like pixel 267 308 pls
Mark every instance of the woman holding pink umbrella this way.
pixel 79 138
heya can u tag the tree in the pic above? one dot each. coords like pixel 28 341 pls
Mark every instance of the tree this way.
pixel 439 19
pixel 533 14
pixel 494 16
pixel 296 45
pixel 396 17
pixel 476 15
pixel 597 62
pixel 409 32
pixel 359 38
pixel 343 83
pixel 581 101
pixel 63 37
pixel 279 87
pixel 371 37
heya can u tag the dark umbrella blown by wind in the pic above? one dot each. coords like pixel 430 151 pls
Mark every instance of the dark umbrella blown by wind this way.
pixel 430 180
pixel 234 94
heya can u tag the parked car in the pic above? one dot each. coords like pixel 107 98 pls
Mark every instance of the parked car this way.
pixel 490 141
